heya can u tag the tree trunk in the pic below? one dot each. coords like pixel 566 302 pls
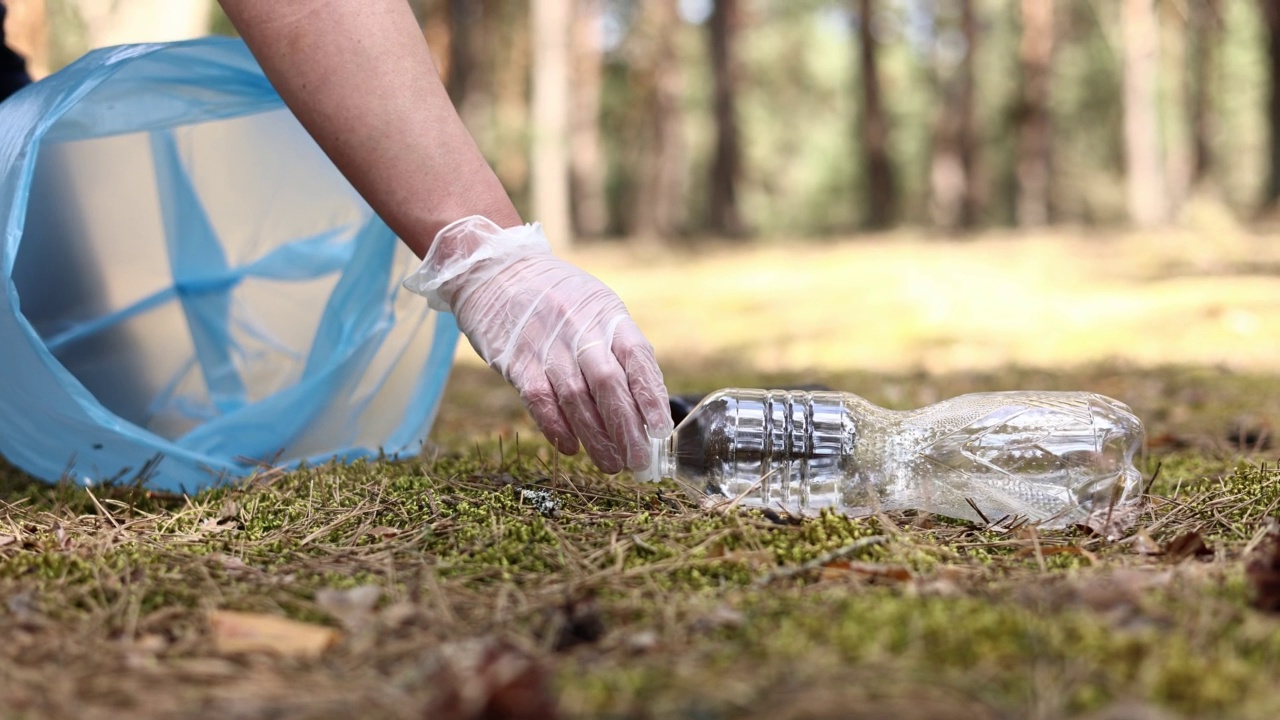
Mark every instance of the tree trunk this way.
pixel 954 195
pixel 1035 132
pixel 436 19
pixel 659 198
pixel 506 29
pixel 1205 36
pixel 881 184
pixel 1271 18
pixel 551 34
pixel 726 168
pixel 1146 189
pixel 590 206
pixel 462 21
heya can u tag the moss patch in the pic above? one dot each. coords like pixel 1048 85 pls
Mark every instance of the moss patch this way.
pixel 626 600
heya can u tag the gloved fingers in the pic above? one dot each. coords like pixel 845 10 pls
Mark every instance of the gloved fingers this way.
pixel 612 393
pixel 580 408
pixel 540 400
pixel 644 378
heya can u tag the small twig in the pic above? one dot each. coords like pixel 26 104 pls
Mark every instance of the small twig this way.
pixel 111 518
pixel 1035 544
pixel 978 510
pixel 821 560
pixel 1147 490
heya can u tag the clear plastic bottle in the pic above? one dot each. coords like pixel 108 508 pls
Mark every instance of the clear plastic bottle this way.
pixel 1051 458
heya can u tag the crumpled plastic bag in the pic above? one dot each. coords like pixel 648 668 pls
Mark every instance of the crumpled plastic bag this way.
pixel 193 290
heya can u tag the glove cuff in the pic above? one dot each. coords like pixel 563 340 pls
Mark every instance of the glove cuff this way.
pixel 471 250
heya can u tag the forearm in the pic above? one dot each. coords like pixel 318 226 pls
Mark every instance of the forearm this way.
pixel 359 77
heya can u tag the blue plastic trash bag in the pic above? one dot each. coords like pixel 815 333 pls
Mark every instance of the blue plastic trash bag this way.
pixel 190 279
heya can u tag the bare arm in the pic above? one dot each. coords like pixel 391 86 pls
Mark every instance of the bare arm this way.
pixel 359 76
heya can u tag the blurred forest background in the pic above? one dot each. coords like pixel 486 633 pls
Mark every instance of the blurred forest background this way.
pixel 668 121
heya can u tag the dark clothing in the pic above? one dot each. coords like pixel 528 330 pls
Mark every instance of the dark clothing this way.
pixel 13 69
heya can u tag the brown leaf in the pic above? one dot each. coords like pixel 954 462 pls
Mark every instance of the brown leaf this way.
pixel 216 525
pixel 642 642
pixel 23 606
pixel 60 534
pixel 1144 544
pixel 1188 544
pixel 230 510
pixel 722 616
pixel 874 571
pixel 489 680
pixel 1170 441
pixel 1120 591
pixel 352 607
pixel 7 540
pixel 577 622
pixel 232 563
pixel 1042 551
pixel 1112 523
pixel 1263 572
pixel 382 532
pixel 245 632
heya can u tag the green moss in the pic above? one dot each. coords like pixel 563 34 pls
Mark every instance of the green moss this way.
pixel 706 614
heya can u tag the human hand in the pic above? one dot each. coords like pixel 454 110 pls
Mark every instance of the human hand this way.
pixel 561 337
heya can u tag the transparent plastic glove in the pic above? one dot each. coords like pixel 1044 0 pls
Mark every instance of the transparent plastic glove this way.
pixel 561 337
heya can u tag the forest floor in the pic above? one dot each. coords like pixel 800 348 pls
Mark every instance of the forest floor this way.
pixel 493 578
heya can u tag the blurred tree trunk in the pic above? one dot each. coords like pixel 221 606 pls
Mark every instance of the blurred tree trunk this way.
pixel 1147 193
pixel 1035 132
pixel 726 168
pixel 462 17
pixel 1205 39
pixel 882 194
pixel 447 26
pixel 436 19
pixel 1178 144
pixel 659 197
pixel 586 150
pixel 1271 18
pixel 506 28
pixel 112 22
pixel 954 188
pixel 27 33
pixel 551 27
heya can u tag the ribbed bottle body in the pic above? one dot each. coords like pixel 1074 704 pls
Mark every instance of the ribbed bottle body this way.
pixel 775 448
pixel 1048 457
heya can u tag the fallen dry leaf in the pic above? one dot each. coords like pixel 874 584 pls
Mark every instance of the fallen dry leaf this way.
pixel 489 680
pixel 1144 544
pixel 1120 593
pixel 217 525
pixel 838 569
pixel 722 616
pixel 60 534
pixel 382 532
pixel 1043 551
pixel 7 540
pixel 1112 523
pixel 577 622
pixel 232 563
pixel 352 607
pixel 1188 544
pixel 1263 572
pixel 244 632
pixel 755 558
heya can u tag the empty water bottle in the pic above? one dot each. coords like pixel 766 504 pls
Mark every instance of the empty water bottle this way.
pixel 1049 458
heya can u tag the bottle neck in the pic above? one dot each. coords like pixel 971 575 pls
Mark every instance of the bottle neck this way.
pixel 661 460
